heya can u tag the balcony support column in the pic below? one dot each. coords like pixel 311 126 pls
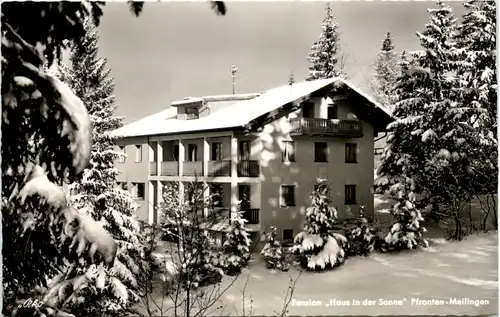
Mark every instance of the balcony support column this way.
pixel 181 157
pixel 159 150
pixel 234 175
pixel 206 156
pixel 159 195
pixel 151 203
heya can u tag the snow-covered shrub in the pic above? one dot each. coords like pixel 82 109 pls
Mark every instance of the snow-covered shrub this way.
pixel 406 232
pixel 361 237
pixel 319 252
pixel 273 252
pixel 202 264
pixel 317 246
pixel 237 245
pixel 195 253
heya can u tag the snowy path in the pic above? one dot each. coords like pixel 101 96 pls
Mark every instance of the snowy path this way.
pixel 466 269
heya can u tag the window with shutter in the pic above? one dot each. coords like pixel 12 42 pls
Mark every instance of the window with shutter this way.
pixel 287 195
pixel 350 195
pixel 320 152
pixel 288 151
pixel 351 150
pixel 216 151
pixel 244 150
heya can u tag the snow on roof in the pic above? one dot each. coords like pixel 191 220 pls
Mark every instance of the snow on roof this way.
pixel 186 101
pixel 233 115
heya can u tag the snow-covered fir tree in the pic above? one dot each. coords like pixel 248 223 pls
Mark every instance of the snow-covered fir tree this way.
pixel 477 86
pixel 272 251
pixel 237 244
pixel 325 58
pixel 96 193
pixel 291 79
pixel 49 143
pixel 386 72
pixel 426 160
pixel 317 246
pixel 361 238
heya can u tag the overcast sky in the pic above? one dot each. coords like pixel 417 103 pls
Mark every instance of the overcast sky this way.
pixel 179 49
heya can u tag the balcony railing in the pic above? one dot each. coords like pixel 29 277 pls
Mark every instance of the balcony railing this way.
pixel 219 168
pixel 251 215
pixel 170 168
pixel 248 168
pixel 193 168
pixel 153 168
pixel 332 127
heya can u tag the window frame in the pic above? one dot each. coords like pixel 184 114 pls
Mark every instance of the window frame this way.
pixel 216 191
pixel 351 153
pixel 244 152
pixel 190 148
pixel 335 111
pixel 310 107
pixel 213 151
pixel 192 112
pixel 176 152
pixel 135 190
pixel 350 198
pixel 284 202
pixel 287 155
pixel 138 153
pixel 283 235
pixel 316 159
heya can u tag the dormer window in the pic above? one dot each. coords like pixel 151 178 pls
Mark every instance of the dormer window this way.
pixel 192 112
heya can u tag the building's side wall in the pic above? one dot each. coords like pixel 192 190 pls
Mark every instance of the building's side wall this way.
pixel 303 172
pixel 132 172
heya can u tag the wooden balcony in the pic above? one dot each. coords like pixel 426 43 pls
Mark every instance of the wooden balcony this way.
pixel 193 168
pixel 219 168
pixel 251 215
pixel 170 168
pixel 328 127
pixel 248 168
pixel 153 168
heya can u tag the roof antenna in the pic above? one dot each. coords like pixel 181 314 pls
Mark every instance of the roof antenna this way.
pixel 233 76
pixel 291 79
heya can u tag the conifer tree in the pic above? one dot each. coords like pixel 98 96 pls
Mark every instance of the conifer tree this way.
pixel 291 79
pixel 96 193
pixel 386 73
pixel 317 245
pixel 49 143
pixel 325 57
pixel 426 161
pixel 237 245
pixel 272 251
pixel 477 86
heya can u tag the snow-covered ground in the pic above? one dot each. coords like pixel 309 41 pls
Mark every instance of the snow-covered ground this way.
pixel 461 270
pixel 466 269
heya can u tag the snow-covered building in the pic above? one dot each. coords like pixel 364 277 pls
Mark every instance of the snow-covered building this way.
pixel 265 150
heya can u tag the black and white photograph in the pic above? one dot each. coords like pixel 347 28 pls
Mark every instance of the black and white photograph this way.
pixel 249 158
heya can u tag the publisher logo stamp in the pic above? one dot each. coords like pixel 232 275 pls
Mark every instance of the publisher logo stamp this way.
pixel 30 303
